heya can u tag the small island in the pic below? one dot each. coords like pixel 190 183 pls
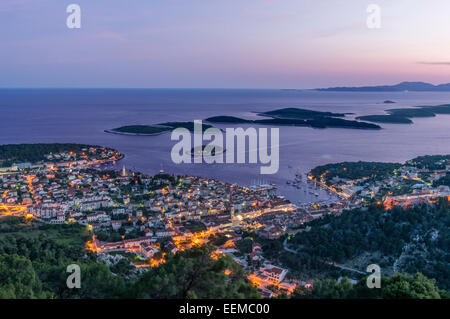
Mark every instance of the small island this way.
pixel 411 112
pixel 138 130
pixel 206 150
pixel 155 129
pixel 389 119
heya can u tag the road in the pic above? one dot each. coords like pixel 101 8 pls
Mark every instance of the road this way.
pixel 327 262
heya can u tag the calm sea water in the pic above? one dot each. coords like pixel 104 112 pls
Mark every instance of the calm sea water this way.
pixel 80 116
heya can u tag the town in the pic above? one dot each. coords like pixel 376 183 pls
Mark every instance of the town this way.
pixel 418 181
pixel 150 216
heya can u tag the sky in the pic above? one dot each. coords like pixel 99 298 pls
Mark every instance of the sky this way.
pixel 223 43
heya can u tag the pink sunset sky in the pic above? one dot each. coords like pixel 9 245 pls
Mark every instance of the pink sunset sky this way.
pixel 223 43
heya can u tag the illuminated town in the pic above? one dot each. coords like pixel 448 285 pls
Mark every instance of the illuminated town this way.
pixel 414 183
pixel 150 216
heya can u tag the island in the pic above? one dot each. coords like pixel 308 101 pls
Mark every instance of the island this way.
pixel 207 150
pixel 390 119
pixel 403 116
pixel 297 117
pixel 155 129
pixel 411 112
pixel 400 87
pixel 296 113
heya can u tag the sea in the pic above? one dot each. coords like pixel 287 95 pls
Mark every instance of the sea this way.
pixel 82 115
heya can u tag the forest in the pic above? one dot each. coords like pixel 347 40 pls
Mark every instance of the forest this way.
pixel 411 241
pixel 33 153
pixel 355 170
pixel 34 259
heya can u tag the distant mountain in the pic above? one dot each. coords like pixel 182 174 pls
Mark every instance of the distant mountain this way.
pixel 404 86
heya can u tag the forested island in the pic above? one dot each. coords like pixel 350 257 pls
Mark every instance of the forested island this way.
pixel 296 113
pixel 156 129
pixel 403 116
pixel 298 117
pixel 392 119
pixel 283 117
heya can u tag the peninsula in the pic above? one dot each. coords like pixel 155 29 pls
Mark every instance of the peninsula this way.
pixel 400 87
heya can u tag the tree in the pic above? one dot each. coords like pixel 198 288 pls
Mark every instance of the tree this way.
pixel 18 278
pixel 402 286
pixel 195 274
pixel 399 286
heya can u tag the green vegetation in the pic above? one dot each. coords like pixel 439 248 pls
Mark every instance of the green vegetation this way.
pixel 443 181
pixel 411 112
pixel 298 117
pixel 195 226
pixel 301 265
pixel 155 129
pixel 245 245
pixel 187 125
pixel 399 286
pixel 341 123
pixel 416 240
pixel 295 113
pixel 34 259
pixel 355 170
pixel 439 109
pixel 227 119
pixel 393 119
pixel 431 162
pixel 402 116
pixel 194 274
pixel 140 129
pixel 33 153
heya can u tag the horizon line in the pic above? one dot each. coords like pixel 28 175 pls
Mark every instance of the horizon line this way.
pixel 206 88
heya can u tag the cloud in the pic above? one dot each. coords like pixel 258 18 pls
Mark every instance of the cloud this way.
pixel 434 62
